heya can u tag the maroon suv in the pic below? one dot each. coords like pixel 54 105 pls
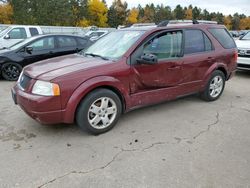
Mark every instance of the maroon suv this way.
pixel 127 69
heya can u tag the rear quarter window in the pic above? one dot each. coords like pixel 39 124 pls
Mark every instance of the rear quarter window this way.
pixel 223 37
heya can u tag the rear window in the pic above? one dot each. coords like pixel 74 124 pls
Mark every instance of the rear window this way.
pixel 33 31
pixel 223 37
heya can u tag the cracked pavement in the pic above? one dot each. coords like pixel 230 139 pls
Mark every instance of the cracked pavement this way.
pixel 183 143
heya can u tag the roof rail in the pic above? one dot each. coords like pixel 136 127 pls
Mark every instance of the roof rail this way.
pixel 170 22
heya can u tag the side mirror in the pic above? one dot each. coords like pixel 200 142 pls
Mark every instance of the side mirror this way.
pixel 28 49
pixel 93 38
pixel 241 37
pixel 149 59
pixel 7 37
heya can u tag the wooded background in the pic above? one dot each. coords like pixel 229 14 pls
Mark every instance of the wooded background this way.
pixel 96 12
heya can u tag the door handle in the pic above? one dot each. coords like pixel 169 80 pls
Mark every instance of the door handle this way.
pixel 210 59
pixel 174 67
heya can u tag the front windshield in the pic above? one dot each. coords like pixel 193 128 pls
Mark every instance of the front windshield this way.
pixel 246 36
pixel 4 31
pixel 114 45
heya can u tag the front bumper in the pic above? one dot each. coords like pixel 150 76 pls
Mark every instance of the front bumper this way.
pixel 46 110
pixel 243 63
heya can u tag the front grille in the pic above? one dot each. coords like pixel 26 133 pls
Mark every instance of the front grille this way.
pixel 24 81
pixel 247 56
pixel 244 52
pixel 243 66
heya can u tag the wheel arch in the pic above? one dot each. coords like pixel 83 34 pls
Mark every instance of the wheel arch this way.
pixel 89 86
pixel 216 66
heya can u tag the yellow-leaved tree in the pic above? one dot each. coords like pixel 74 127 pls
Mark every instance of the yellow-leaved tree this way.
pixel 97 13
pixel 228 22
pixel 133 16
pixel 189 14
pixel 6 14
pixel 245 23
pixel 83 23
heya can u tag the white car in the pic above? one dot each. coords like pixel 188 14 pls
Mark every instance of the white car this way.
pixel 243 45
pixel 95 35
pixel 16 33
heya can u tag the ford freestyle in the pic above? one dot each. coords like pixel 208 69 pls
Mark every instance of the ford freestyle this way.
pixel 127 69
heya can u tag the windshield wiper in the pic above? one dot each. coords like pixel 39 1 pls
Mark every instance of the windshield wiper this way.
pixel 96 55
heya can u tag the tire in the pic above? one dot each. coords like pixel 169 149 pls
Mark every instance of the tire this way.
pixel 214 87
pixel 11 71
pixel 99 111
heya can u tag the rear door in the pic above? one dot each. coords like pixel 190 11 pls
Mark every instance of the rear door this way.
pixel 198 55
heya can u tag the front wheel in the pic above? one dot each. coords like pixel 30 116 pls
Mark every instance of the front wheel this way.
pixel 99 111
pixel 11 71
pixel 214 87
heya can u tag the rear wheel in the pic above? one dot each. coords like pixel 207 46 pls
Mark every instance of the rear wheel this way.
pixel 214 87
pixel 11 71
pixel 99 111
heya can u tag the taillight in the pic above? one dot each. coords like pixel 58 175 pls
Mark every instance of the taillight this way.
pixel 235 56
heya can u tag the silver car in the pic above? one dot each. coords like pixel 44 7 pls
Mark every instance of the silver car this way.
pixel 243 45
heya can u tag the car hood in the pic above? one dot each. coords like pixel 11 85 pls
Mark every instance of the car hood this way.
pixel 4 51
pixel 53 68
pixel 243 44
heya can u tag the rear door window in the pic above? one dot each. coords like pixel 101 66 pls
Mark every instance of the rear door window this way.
pixel 64 41
pixel 82 42
pixel 18 33
pixel 33 31
pixel 223 37
pixel 208 44
pixel 196 41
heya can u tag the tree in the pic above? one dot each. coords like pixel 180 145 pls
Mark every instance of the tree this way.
pixel 228 22
pixel 189 13
pixel 80 10
pixel 97 13
pixel 141 12
pixel 45 12
pixel 205 15
pixel 236 22
pixel 196 12
pixel 162 13
pixel 117 13
pixel 6 14
pixel 149 13
pixel 245 23
pixel 133 16
pixel 179 13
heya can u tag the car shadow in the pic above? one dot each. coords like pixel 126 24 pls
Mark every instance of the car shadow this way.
pixel 243 73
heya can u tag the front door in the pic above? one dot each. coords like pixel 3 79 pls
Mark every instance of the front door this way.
pixel 42 49
pixel 156 82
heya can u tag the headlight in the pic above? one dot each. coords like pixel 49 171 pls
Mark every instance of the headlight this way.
pixel 46 88
pixel 19 78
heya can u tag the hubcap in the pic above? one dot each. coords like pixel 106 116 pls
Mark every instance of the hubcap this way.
pixel 216 86
pixel 11 71
pixel 102 113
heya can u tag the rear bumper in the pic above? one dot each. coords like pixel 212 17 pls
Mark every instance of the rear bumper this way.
pixel 45 110
pixel 243 63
